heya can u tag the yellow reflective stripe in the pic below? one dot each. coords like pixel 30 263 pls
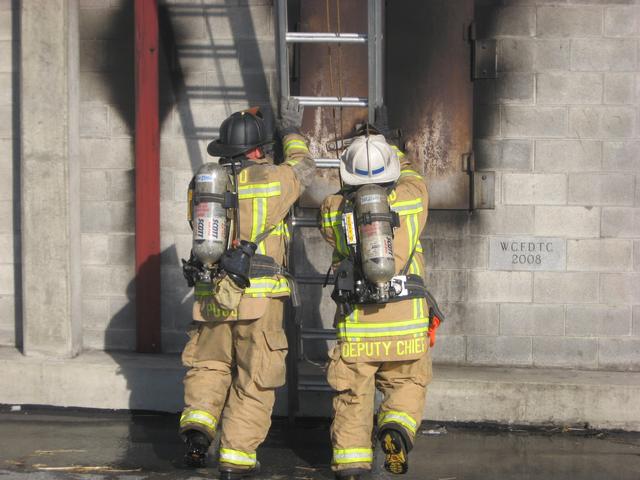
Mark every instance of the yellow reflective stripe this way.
pixel 393 416
pixel 259 190
pixel 352 455
pixel 410 173
pixel 383 329
pixel 203 289
pixel 331 219
pixel 407 207
pixel 200 417
pixel 295 144
pixel 399 152
pixel 259 221
pixel 237 457
pixel 262 285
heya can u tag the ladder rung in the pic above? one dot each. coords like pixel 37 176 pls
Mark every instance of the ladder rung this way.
pixel 333 101
pixel 298 37
pixel 327 162
pixel 318 333
pixel 304 222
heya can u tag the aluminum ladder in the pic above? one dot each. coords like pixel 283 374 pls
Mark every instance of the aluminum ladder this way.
pixel 298 382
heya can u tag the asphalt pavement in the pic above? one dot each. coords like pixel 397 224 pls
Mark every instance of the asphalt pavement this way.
pixel 46 444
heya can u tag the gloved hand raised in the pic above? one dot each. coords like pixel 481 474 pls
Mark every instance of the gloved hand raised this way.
pixel 290 119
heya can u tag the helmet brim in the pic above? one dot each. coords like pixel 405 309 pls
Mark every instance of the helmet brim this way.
pixel 218 149
pixel 391 174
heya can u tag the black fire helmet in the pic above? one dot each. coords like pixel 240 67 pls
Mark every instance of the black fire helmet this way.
pixel 239 133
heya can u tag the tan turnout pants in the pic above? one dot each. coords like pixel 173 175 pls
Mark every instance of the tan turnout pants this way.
pixel 403 385
pixel 235 368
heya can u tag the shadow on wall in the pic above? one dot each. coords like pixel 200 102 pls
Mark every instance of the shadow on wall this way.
pixel 15 167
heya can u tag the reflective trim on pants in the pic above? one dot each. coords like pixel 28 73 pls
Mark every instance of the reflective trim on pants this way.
pixel 392 416
pixel 199 417
pixel 352 455
pixel 237 457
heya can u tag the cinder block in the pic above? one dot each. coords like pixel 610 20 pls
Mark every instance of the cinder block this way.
pixel 534 189
pixel 166 184
pixel 470 252
pixel 620 88
pixel 173 341
pixel 8 311
pixel 534 121
pixel 500 286
pixel 601 189
pixel 122 217
pixel 621 156
pixel 636 255
pixel 6 90
pixel 486 121
pixel 93 56
pixel 516 55
pixel 565 352
pixel 620 288
pixel 449 349
pixel 515 21
pixel 94 120
pixel 6 29
pixel 6 183
pixel 447 224
pixel 6 59
pixel 619 353
pixel 6 217
pixel 503 154
pixel 514 88
pixel 181 153
pixel 599 255
pixel 602 122
pixel 181 179
pixel 621 222
pixel 528 319
pixel 604 54
pixel 96 23
pixel 636 320
pixel 552 54
pixel 621 21
pixel 93 185
pixel 172 217
pixel 7 241
pixel 598 320
pixel 447 285
pixel 106 153
pixel 97 217
pixel 6 116
pixel 470 319
pixel 503 220
pixel 121 249
pixel 95 313
pixel 565 287
pixel 569 88
pixel 7 160
pixel 122 185
pixel 568 155
pixel 241 22
pixel 94 249
pixel 561 21
pixel 122 313
pixel 503 351
pixel 567 221
pixel 7 285
pixel 106 280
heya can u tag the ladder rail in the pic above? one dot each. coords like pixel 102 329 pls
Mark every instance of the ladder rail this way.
pixel 326 37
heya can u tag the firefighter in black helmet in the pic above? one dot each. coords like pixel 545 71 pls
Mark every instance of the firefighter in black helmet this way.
pixel 237 347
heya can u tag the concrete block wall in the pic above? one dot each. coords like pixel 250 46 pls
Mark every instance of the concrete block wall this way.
pixel 560 126
pixel 216 58
pixel 9 177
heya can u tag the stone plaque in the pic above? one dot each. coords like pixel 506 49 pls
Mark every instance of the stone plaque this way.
pixel 527 253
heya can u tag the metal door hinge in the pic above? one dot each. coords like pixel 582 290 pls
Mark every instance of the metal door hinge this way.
pixel 482 185
pixel 483 56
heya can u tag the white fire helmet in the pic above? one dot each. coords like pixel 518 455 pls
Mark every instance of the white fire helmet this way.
pixel 369 159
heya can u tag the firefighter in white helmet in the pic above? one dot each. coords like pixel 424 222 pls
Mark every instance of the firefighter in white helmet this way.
pixel 237 347
pixel 382 320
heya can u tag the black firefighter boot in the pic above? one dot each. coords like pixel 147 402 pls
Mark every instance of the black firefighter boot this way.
pixel 230 473
pixel 196 447
pixel 396 454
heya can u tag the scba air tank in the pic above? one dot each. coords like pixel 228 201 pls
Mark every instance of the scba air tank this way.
pixel 375 235
pixel 210 222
